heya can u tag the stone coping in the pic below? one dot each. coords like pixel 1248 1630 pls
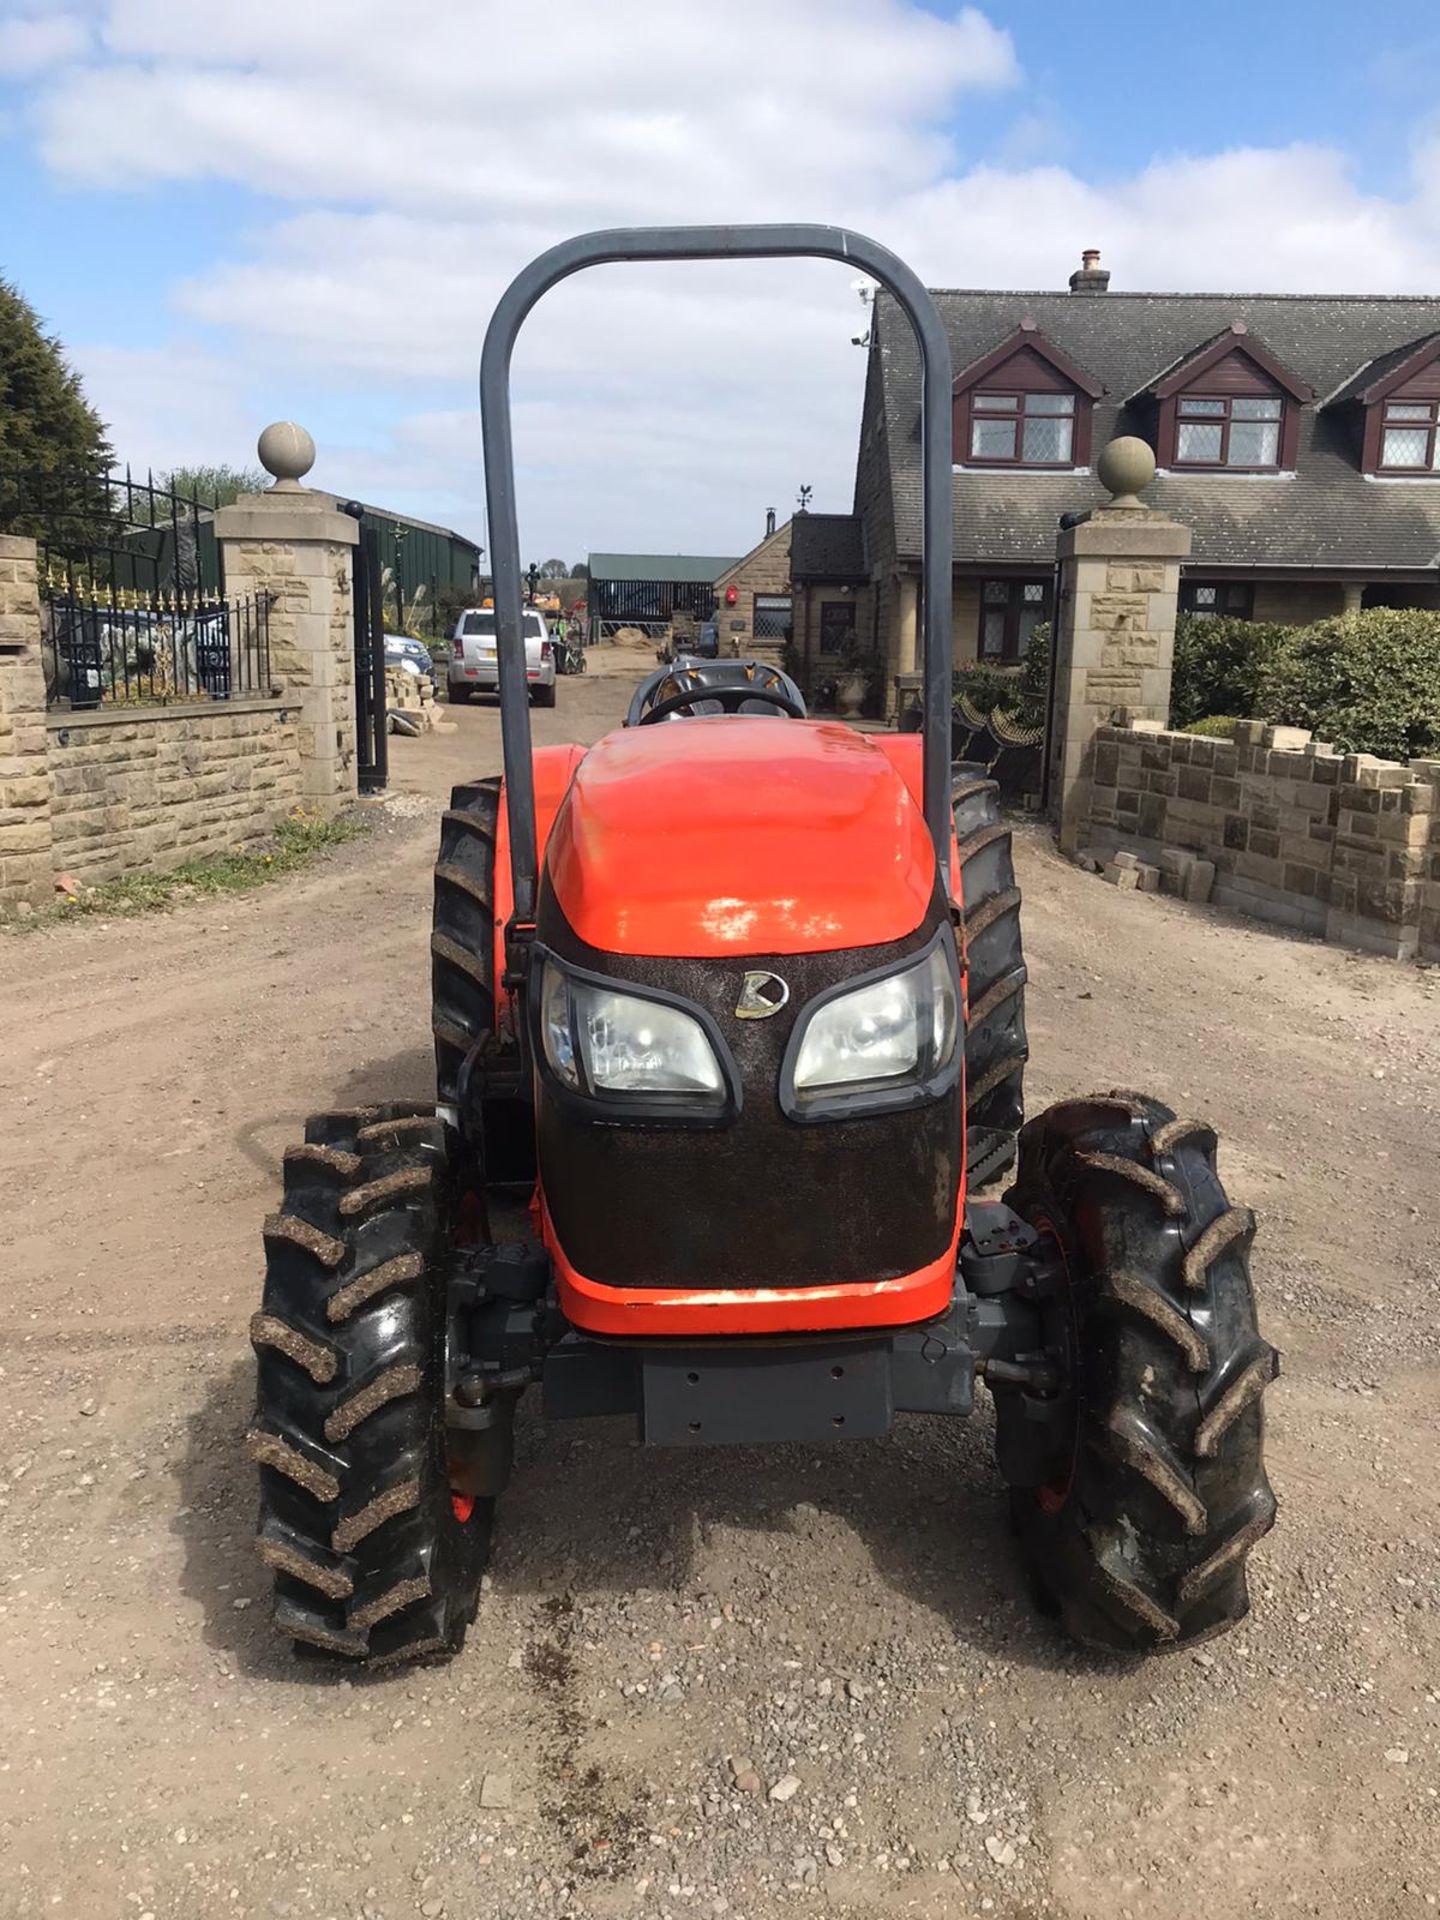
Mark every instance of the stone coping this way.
pixel 91 719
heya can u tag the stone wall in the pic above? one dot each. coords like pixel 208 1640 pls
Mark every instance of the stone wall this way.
pixel 25 871
pixel 1343 846
pixel 143 789
pixel 1297 603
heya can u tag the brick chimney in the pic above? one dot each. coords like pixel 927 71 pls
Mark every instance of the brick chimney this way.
pixel 1090 276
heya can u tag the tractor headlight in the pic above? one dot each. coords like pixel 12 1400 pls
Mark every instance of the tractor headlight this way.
pixel 886 1041
pixel 606 1043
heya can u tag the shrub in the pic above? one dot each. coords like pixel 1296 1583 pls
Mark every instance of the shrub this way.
pixel 1219 665
pixel 987 687
pixel 1215 726
pixel 1035 677
pixel 1369 682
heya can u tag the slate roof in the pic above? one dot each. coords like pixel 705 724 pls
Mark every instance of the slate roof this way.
pixel 1326 515
pixel 1377 369
pixel 827 546
pixel 671 567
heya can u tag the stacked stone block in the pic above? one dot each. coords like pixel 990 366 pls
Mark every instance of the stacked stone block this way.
pixel 1342 846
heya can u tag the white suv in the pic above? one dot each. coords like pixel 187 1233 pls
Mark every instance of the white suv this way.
pixel 474 667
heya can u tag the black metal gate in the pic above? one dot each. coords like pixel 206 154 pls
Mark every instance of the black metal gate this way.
pixel 371 720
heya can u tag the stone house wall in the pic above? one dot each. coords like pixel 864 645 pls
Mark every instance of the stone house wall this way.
pixel 1342 846
pixel 765 569
pixel 141 789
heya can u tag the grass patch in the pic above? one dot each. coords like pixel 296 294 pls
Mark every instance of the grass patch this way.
pixel 297 840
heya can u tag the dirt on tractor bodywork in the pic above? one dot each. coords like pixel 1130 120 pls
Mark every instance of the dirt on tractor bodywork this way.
pixel 734 1003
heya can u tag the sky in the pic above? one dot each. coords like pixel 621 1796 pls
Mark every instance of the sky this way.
pixel 306 209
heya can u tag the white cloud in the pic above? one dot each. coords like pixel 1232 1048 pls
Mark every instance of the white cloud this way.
pixel 31 42
pixel 419 167
pixel 172 405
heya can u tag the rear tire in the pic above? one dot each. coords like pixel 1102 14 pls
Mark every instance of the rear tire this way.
pixel 459 696
pixel 996 1048
pixel 543 696
pixel 1141 1538
pixel 371 1556
pixel 462 969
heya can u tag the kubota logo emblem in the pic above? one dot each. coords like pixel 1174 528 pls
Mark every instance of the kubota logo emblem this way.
pixel 761 994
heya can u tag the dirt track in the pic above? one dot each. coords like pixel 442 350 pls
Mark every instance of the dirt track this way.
pixel 854 1619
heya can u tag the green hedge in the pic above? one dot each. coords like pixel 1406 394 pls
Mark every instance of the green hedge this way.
pixel 1368 682
pixel 1220 664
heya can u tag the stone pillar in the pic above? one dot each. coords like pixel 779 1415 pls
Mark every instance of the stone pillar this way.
pixel 26 873
pixel 291 544
pixel 1354 596
pixel 1115 627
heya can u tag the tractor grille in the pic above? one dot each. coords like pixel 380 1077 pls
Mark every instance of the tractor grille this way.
pixel 763 1201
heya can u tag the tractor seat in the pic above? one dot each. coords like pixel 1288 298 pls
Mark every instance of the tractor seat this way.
pixel 694 689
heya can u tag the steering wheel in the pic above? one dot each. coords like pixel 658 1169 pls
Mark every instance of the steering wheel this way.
pixel 729 695
pixel 728 699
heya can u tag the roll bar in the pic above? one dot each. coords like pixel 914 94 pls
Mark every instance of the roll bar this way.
pixel 711 243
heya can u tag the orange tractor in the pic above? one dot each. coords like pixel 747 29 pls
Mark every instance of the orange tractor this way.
pixel 728 1014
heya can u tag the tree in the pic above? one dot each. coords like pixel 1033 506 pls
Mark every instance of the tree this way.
pixel 217 486
pixel 580 570
pixel 554 570
pixel 46 423
pixel 45 419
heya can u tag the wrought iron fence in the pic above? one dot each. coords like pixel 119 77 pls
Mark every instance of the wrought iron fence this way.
pixel 116 647
pixel 108 529
pixel 132 591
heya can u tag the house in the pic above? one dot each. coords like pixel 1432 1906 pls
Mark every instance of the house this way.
pixel 752 596
pixel 1296 435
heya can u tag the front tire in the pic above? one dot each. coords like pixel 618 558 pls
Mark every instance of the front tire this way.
pixel 372 1555
pixel 1140 1535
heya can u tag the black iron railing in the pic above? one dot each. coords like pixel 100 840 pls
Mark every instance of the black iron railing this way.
pixel 116 647
pixel 111 530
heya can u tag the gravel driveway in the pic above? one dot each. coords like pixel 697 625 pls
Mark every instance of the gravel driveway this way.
pixel 736 1684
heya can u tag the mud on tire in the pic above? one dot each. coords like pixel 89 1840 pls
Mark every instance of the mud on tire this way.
pixel 1140 1542
pixel 371 1556
pixel 995 1044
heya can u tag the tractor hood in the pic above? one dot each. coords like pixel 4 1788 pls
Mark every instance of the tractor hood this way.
pixel 739 835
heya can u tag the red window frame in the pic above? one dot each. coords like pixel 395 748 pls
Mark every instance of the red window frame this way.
pixel 1022 396
pixel 1426 426
pixel 1224 421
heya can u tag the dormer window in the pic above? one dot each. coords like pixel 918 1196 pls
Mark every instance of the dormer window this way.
pixel 1407 437
pixel 1392 408
pixel 1228 430
pixel 1024 404
pixel 1228 406
pixel 1024 429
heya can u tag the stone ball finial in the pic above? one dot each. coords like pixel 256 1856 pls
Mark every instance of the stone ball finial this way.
pixel 1125 468
pixel 287 451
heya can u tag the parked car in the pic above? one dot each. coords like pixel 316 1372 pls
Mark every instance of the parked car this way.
pixel 474 667
pixel 410 656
